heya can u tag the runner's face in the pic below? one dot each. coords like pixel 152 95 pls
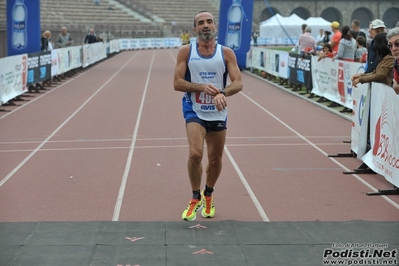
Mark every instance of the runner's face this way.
pixel 205 26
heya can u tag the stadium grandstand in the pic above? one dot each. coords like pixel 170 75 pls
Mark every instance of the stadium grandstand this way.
pixel 113 19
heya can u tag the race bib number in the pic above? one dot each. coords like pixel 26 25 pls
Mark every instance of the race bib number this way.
pixel 205 102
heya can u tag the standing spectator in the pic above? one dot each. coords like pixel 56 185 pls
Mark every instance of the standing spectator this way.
pixel 393 44
pixel 383 71
pixel 347 46
pixel 361 51
pixel 46 44
pixel 296 47
pixel 173 25
pixel 356 31
pixel 336 37
pixel 376 26
pixel 185 37
pixel 64 39
pixel 91 37
pixel 255 38
pixel 320 37
pixel 326 38
pixel 307 42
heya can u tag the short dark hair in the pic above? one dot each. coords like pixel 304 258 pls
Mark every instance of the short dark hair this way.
pixel 203 11
pixel 381 44
pixel 356 22
pixel 361 40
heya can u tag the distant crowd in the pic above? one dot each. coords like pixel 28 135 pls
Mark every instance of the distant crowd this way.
pixel 378 49
pixel 65 39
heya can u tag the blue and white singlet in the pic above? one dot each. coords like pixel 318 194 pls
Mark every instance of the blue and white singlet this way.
pixel 204 70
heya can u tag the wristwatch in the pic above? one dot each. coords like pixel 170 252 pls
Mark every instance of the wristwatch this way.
pixel 222 91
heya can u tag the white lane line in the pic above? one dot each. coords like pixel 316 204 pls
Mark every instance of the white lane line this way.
pixel 394 204
pixel 122 188
pixel 161 146
pixel 29 141
pixel 254 199
pixel 2 182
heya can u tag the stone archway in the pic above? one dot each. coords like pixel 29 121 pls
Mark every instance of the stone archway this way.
pixel 391 17
pixel 364 15
pixel 266 13
pixel 301 12
pixel 332 14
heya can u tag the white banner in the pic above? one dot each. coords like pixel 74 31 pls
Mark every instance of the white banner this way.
pixel 383 158
pixel 93 53
pixel 271 61
pixel 114 46
pixel 54 63
pixel 279 41
pixel 149 43
pixel 360 120
pixel 13 76
pixel 332 79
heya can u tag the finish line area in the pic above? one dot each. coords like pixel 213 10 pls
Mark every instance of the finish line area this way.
pixel 94 173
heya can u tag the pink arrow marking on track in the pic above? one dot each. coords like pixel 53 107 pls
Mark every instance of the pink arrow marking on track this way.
pixel 197 226
pixel 133 239
pixel 203 252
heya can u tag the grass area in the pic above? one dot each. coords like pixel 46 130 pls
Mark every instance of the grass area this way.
pixel 281 48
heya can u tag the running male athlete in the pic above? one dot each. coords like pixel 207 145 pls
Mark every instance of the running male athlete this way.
pixel 201 73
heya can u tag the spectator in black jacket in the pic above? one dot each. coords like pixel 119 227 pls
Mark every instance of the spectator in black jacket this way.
pixel 46 44
pixel 376 26
pixel 91 37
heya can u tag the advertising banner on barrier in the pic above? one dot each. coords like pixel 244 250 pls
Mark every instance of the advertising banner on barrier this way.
pixel 114 46
pixel 332 79
pixel 383 158
pixel 54 62
pixel 39 67
pixel 300 70
pixel 360 120
pixel 148 43
pixel 283 69
pixel 13 76
pixel 271 61
pixel 93 53
pixel 23 26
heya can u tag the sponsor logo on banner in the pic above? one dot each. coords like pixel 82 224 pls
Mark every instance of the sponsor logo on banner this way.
pixel 384 147
pixel 360 112
pixel 24 74
pixel 341 82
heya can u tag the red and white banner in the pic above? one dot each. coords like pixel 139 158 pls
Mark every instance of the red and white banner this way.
pixel 383 158
pixel 332 79
pixel 13 77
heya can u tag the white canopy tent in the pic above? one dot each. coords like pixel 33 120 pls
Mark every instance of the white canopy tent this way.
pixel 279 26
pixel 280 30
pixel 318 23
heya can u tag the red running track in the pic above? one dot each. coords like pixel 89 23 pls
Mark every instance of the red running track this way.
pixel 110 144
